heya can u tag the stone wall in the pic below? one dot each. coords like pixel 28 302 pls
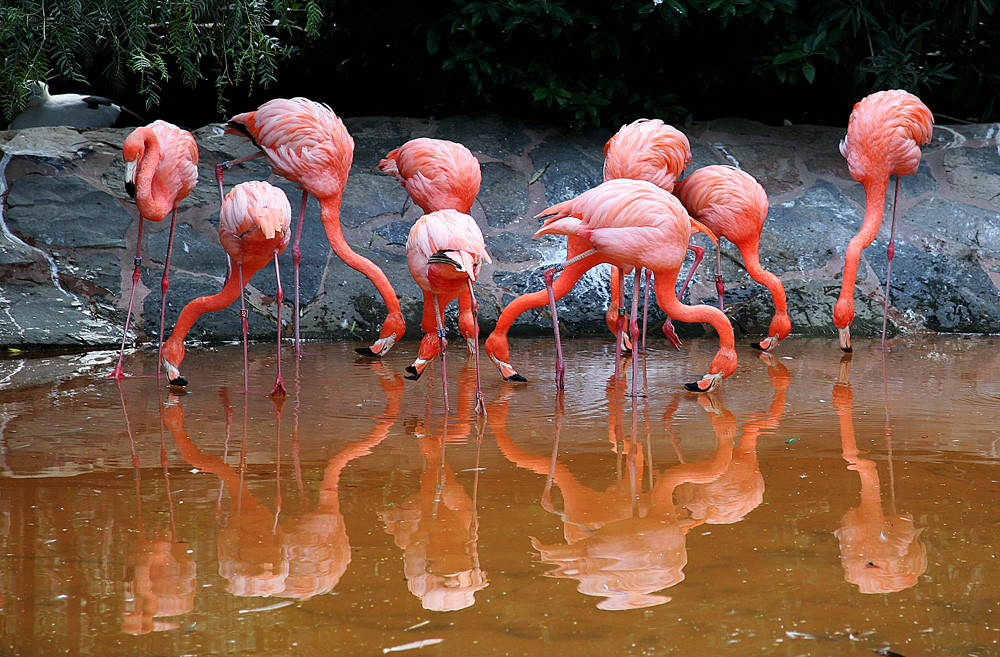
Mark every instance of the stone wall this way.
pixel 69 231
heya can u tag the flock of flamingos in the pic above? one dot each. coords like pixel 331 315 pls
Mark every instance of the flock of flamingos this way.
pixel 640 218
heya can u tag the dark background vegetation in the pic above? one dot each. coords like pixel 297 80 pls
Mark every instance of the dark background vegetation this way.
pixel 572 62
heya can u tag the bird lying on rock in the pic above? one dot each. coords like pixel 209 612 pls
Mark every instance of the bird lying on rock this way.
pixel 74 110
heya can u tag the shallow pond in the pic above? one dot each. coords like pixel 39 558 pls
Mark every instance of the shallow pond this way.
pixel 812 505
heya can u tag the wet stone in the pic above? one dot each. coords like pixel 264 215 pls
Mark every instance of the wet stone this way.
pixel 489 134
pixel 375 136
pixel 368 195
pixel 953 222
pixel 975 172
pixel 192 250
pixel 71 213
pixel 568 170
pixel 505 192
pixel 947 291
pixel 394 234
pixel 813 228
pixel 34 314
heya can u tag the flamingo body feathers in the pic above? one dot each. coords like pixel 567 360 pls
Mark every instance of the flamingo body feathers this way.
pixel 647 149
pixel 161 165
pixel 304 141
pixel 436 173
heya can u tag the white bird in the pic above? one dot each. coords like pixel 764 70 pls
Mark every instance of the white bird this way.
pixel 74 110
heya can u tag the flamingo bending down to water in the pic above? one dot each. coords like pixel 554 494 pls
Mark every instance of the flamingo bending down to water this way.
pixel 884 136
pixel 161 169
pixel 436 173
pixel 445 251
pixel 439 175
pixel 631 224
pixel 732 204
pixel 254 227
pixel 308 144
pixel 646 149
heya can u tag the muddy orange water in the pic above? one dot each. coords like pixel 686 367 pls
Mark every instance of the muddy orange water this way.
pixel 811 506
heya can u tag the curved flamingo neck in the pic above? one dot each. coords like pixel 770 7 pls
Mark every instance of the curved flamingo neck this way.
pixel 781 325
pixel 173 347
pixel 152 206
pixel 875 193
pixel 329 207
pixel 725 358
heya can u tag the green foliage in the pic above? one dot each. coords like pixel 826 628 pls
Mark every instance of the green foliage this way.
pixel 591 61
pixel 939 48
pixel 145 42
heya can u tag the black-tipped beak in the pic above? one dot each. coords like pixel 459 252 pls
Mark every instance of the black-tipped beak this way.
pixel 411 372
pixel 693 387
pixel 366 351
pixel 756 345
pixel 846 350
pixel 515 378
pixel 130 188
pixel 180 382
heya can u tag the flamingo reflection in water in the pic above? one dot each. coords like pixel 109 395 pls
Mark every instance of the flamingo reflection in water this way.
pixel 306 554
pixel 740 489
pixel 438 528
pixel 160 571
pixel 623 543
pixel 880 553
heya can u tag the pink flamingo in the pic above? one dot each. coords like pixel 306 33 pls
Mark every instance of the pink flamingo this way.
pixel 254 227
pixel 439 175
pixel 161 169
pixel 308 144
pixel 884 136
pixel 646 149
pixel 732 204
pixel 445 251
pixel 632 224
pixel 436 173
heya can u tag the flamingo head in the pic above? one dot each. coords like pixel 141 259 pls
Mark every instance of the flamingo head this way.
pixel 132 151
pixel 172 353
pixel 780 327
pixel 843 315
pixel 499 352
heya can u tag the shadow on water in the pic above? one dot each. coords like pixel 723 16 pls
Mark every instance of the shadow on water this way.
pixel 810 505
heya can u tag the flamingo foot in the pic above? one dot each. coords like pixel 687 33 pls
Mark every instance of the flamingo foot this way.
pixel 767 344
pixel 845 339
pixel 480 404
pixel 705 384
pixel 278 391
pixel 118 373
pixel 668 330
pixel 380 348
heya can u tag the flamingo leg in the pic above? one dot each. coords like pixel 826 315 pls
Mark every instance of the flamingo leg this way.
pixel 296 259
pixel 439 319
pixel 645 308
pixel 245 326
pixel 220 169
pixel 164 284
pixel 720 288
pixel 634 331
pixel 560 365
pixel 279 297
pixel 118 373
pixel 480 399
pixel 889 253
pixel 620 325
pixel 549 279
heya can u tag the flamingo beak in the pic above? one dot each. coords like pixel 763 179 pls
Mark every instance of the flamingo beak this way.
pixel 706 383
pixel 767 344
pixel 507 371
pixel 414 371
pixel 173 374
pixel 130 168
pixel 845 339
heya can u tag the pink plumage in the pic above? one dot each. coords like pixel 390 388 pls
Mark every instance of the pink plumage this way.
pixel 448 232
pixel 632 222
pixel 255 221
pixel 885 133
pixel 436 173
pixel 169 174
pixel 647 149
pixel 304 141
